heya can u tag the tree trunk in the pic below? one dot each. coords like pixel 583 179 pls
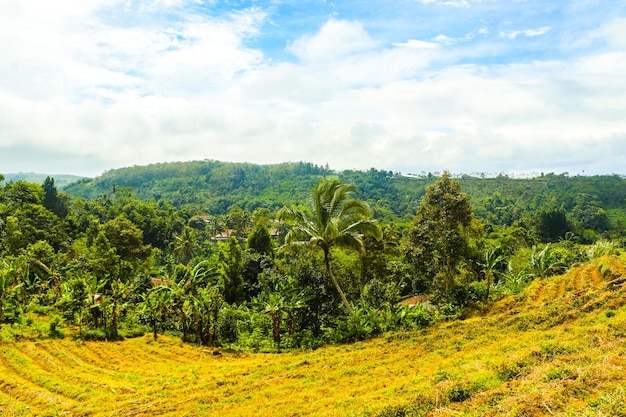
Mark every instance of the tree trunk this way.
pixel 276 328
pixel 332 277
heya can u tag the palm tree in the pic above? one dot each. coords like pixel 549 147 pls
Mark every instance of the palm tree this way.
pixel 335 219
pixel 185 245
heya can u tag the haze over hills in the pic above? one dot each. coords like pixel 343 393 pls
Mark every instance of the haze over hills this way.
pixel 61 180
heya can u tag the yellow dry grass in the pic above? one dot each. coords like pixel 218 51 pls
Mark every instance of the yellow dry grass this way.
pixel 557 349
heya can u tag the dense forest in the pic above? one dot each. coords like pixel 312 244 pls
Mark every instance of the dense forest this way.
pixel 592 203
pixel 285 256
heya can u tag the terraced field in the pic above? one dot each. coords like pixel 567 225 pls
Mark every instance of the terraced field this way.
pixel 557 349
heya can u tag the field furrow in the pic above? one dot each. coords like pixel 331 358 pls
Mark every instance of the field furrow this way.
pixel 560 287
pixel 536 292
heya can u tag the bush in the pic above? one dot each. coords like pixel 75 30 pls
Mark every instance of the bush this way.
pixel 602 248
pixel 103 335
pixel 476 292
pixel 134 331
pixel 450 311
pixel 510 370
pixel 459 393
pixel 227 331
pixel 53 332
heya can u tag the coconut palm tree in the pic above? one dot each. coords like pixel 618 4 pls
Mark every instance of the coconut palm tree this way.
pixel 184 245
pixel 335 220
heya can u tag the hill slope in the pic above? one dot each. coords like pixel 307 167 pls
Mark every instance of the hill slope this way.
pixel 216 186
pixel 557 349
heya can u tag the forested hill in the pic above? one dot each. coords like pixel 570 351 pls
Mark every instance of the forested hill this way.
pixel 596 202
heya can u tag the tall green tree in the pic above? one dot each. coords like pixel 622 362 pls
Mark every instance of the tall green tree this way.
pixel 52 200
pixel 335 220
pixel 127 239
pixel 552 224
pixel 438 239
pixel 231 264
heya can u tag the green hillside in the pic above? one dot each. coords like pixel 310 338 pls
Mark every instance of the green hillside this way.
pixel 597 203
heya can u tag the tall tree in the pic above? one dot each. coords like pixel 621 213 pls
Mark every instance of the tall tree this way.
pixel 438 239
pixel 231 264
pixel 335 220
pixel 51 199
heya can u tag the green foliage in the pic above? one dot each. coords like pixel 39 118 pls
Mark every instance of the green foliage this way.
pixel 377 293
pixel 438 240
pixel 335 219
pixel 146 251
pixel 231 264
pixel 260 241
pixel 126 239
pixel 228 329
pixel 552 225
pixel 53 331
pixel 9 286
pixel 602 248
pixel 102 335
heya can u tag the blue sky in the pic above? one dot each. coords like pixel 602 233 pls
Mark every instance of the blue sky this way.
pixel 515 86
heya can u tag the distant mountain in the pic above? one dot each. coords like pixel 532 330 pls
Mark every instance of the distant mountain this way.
pixel 595 202
pixel 60 180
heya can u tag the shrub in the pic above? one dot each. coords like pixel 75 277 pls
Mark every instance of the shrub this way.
pixel 227 330
pixel 133 331
pixel 601 248
pixel 103 335
pixel 53 332
pixel 476 292
pixel 461 392
pixel 510 370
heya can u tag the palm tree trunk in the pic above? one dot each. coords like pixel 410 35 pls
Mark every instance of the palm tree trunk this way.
pixel 334 280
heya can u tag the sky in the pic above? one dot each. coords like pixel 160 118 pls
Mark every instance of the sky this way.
pixel 470 86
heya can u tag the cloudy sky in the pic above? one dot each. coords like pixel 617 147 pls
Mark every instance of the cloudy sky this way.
pixel 495 86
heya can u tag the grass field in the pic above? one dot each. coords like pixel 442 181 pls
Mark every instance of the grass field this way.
pixel 557 349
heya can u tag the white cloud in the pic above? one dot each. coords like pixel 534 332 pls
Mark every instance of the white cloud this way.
pixel 71 53
pixel 417 44
pixel 455 3
pixel 192 88
pixel 530 33
pixel 336 39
